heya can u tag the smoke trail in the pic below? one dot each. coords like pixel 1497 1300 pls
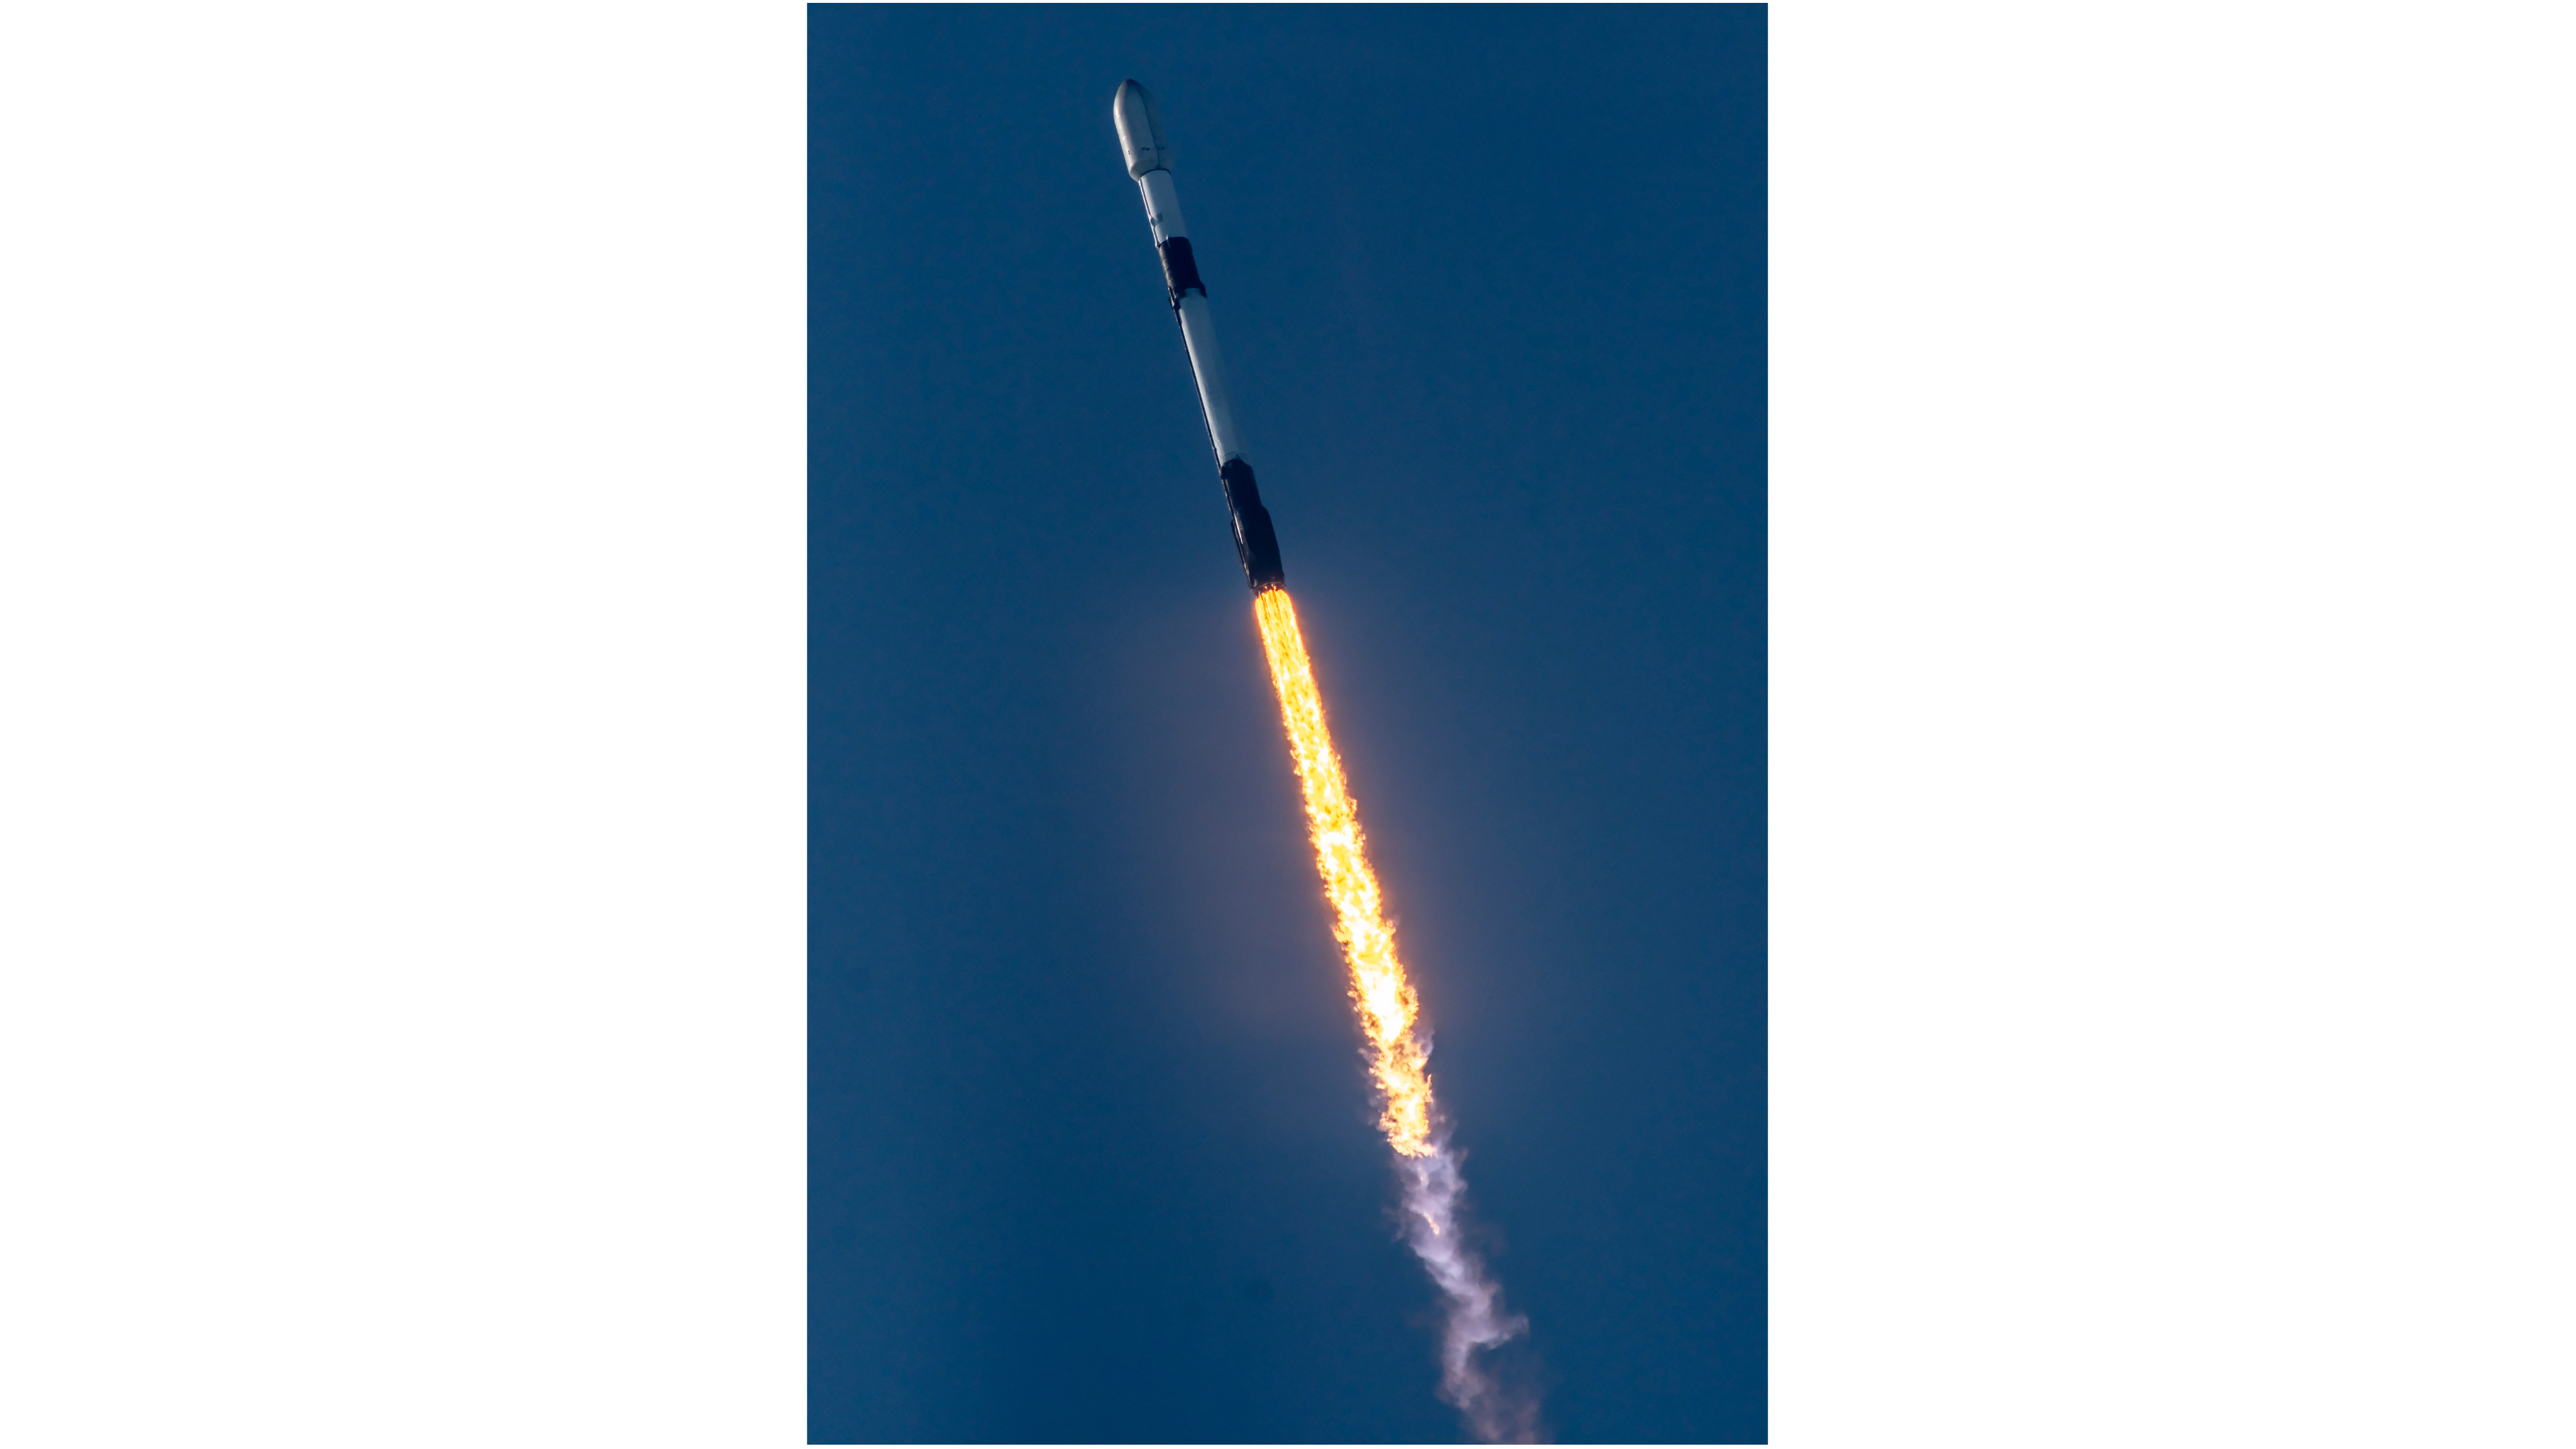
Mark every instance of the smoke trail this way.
pixel 1476 1319
pixel 1398 1055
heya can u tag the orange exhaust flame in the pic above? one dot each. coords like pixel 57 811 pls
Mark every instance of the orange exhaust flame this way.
pixel 1387 1004
pixel 1497 1412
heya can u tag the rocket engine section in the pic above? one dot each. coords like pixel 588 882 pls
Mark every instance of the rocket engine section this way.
pixel 1255 542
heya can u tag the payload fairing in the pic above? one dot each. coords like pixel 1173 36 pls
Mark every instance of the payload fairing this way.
pixel 1149 160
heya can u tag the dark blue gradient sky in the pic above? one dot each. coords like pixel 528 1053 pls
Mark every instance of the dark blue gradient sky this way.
pixel 1091 1148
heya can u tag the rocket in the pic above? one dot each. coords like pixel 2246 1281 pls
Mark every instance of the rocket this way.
pixel 1149 160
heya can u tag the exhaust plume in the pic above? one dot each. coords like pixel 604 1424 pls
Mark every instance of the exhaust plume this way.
pixel 1398 1054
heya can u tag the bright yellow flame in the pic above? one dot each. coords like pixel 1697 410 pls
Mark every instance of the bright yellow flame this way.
pixel 1386 1001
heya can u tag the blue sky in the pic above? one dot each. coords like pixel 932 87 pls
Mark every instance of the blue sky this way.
pixel 1091 1144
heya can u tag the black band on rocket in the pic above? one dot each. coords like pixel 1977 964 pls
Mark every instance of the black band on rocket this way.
pixel 1180 269
pixel 1255 542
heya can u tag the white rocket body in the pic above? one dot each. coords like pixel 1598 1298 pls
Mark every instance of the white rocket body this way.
pixel 1149 155
pixel 1198 325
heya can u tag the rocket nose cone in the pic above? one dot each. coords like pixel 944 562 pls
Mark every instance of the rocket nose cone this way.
pixel 1140 130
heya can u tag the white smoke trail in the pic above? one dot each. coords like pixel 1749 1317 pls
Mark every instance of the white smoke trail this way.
pixel 1475 1317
